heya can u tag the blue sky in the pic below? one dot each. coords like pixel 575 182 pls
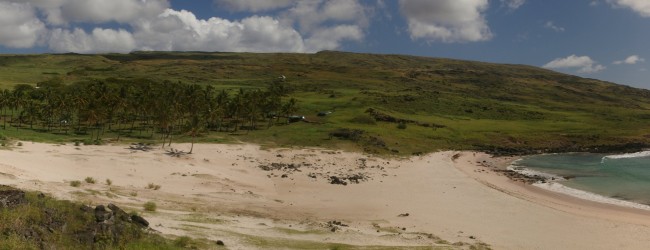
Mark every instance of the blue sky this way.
pixel 603 39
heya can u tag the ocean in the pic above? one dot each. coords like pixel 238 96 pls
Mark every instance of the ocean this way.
pixel 617 179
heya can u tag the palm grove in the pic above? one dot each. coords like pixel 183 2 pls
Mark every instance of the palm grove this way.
pixel 141 108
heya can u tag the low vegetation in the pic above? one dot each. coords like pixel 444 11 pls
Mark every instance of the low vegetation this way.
pixel 153 186
pixel 417 104
pixel 90 180
pixel 75 183
pixel 150 206
pixel 30 220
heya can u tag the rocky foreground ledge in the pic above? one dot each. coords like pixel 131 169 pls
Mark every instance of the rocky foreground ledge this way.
pixel 34 220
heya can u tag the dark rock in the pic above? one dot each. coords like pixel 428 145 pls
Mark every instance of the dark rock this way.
pixel 337 181
pixel 220 243
pixel 10 197
pixel 139 220
pixel 101 214
pixel 119 213
pixel 404 215
pixel 86 208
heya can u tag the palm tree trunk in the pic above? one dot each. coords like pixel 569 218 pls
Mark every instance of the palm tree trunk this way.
pixel 192 147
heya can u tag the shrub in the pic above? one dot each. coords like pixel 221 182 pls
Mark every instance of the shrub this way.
pixel 20 144
pixel 150 206
pixel 134 194
pixel 153 186
pixel 77 143
pixel 75 183
pixel 109 182
pixel 364 119
pixel 90 180
pixel 401 125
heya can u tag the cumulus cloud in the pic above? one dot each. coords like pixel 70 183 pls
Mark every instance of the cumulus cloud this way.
pixel 584 64
pixel 253 5
pixel 62 25
pixel 633 59
pixel 327 24
pixel 99 40
pixel 181 30
pixel 19 25
pixel 642 7
pixel 513 4
pixel 62 12
pixel 446 20
pixel 551 25
pixel 331 38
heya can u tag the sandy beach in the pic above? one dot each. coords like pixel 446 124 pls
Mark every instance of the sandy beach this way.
pixel 239 193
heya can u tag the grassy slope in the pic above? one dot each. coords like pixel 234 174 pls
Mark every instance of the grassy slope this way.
pixel 481 105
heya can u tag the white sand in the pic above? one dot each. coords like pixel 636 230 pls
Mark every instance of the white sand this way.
pixel 220 193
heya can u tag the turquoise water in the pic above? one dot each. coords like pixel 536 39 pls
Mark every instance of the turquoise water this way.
pixel 626 178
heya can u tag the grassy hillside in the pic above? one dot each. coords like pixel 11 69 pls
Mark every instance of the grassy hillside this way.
pixel 418 104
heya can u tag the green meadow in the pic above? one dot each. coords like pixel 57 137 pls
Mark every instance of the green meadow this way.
pixel 383 104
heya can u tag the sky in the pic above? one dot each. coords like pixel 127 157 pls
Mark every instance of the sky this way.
pixel 601 39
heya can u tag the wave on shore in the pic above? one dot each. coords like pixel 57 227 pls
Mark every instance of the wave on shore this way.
pixel 625 156
pixel 559 188
pixel 553 185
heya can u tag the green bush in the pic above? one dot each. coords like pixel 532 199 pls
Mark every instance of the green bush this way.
pixel 20 144
pixel 109 182
pixel 90 180
pixel 75 183
pixel 364 119
pixel 401 125
pixel 150 206
pixel 153 186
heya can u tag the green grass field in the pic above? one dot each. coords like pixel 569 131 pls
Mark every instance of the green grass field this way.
pixel 474 105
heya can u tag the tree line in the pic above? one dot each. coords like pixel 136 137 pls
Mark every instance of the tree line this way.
pixel 142 108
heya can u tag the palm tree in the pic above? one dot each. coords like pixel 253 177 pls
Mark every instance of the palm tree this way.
pixel 5 101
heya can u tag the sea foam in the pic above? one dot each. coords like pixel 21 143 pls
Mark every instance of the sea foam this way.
pixel 533 173
pixel 559 188
pixel 624 156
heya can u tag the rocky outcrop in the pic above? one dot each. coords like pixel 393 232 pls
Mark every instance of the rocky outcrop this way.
pixel 63 222
pixel 10 197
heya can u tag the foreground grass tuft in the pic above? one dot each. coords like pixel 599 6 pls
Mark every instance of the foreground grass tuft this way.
pixel 150 206
pixel 90 180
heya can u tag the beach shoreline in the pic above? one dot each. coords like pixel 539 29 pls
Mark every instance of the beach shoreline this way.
pixel 242 194
pixel 547 193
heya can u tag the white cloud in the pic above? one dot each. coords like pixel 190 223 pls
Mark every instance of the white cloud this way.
pixel 551 25
pixel 181 30
pixel 642 7
pixel 633 59
pixel 300 26
pixel 19 25
pixel 62 12
pixel 513 4
pixel 327 24
pixel 331 38
pixel 100 40
pixel 447 20
pixel 253 5
pixel 584 64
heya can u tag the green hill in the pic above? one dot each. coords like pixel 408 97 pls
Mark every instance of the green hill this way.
pixel 383 103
